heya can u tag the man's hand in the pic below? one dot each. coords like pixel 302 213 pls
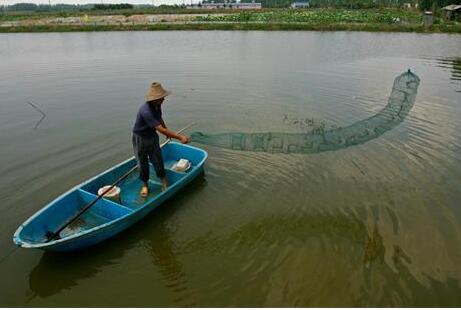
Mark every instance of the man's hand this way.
pixel 184 139
pixel 171 134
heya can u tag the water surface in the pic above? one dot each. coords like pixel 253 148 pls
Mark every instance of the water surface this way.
pixel 373 224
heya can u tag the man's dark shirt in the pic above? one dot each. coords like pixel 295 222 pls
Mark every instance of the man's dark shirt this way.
pixel 149 116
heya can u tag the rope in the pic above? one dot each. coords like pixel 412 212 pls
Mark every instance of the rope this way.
pixel 8 254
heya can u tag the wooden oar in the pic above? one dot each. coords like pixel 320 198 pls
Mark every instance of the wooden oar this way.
pixel 54 235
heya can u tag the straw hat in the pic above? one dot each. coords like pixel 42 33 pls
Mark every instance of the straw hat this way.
pixel 156 91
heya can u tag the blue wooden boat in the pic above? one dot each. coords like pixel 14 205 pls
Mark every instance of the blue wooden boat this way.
pixel 106 218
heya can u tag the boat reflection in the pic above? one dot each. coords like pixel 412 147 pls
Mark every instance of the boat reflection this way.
pixel 57 271
pixel 165 253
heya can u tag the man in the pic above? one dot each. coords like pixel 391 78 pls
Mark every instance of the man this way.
pixel 145 139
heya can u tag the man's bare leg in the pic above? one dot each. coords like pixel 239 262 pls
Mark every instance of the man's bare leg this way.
pixel 164 184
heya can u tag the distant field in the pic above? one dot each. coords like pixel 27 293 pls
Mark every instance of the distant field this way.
pixel 316 16
pixel 22 15
pixel 384 19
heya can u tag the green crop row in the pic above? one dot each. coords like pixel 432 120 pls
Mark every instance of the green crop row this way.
pixel 455 28
pixel 319 16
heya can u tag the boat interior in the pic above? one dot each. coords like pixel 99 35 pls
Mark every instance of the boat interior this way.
pixel 106 210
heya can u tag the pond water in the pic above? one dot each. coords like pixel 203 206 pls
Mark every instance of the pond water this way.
pixel 374 223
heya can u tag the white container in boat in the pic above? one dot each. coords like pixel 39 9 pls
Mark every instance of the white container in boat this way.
pixel 182 165
pixel 113 194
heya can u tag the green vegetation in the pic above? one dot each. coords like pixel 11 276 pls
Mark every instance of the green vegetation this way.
pixel 434 5
pixel 378 19
pixel 321 16
pixel 358 4
pixel 32 7
pixel 121 6
pixel 238 26
pixel 349 4
pixel 12 15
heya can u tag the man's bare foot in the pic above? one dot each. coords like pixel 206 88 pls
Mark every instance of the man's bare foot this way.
pixel 164 184
pixel 144 191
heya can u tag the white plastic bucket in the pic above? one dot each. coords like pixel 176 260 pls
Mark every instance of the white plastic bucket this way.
pixel 181 165
pixel 113 194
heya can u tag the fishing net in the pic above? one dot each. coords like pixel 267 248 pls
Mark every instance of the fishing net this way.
pixel 400 102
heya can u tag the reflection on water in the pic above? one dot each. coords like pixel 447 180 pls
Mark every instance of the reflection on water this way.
pixel 456 72
pixel 282 264
pixel 163 252
pixel 374 247
pixel 400 103
pixel 56 272
pixel 453 64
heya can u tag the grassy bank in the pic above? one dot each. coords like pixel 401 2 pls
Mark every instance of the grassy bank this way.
pixel 383 19
pixel 238 26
